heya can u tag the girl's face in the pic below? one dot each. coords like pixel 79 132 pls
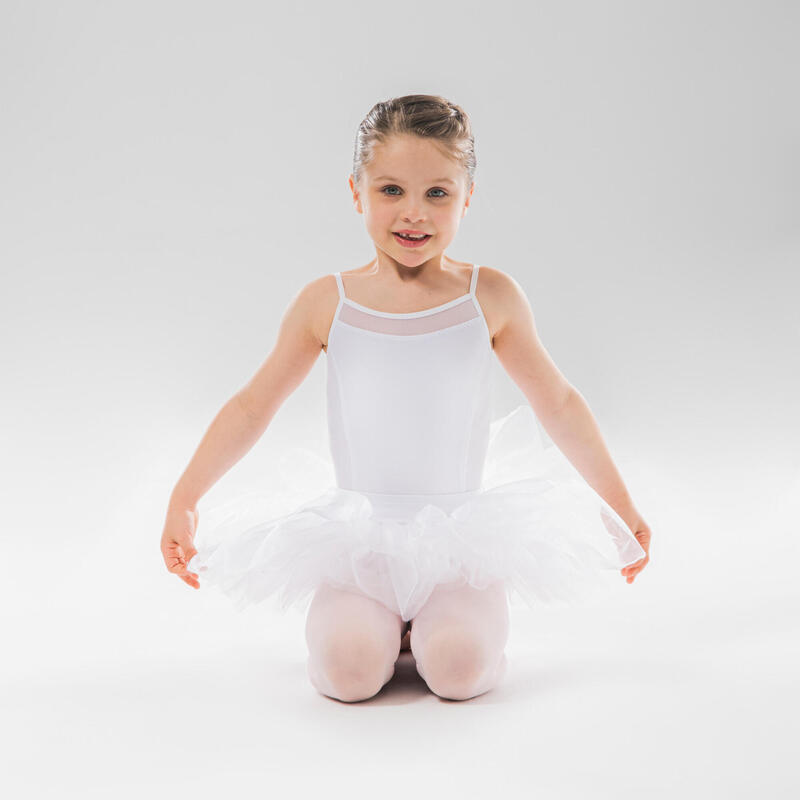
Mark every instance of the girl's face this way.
pixel 411 184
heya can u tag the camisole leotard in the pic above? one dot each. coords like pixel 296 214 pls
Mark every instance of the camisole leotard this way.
pixel 408 399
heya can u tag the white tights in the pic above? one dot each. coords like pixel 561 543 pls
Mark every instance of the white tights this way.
pixel 457 639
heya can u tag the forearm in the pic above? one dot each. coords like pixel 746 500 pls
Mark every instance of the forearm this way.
pixel 575 431
pixel 231 434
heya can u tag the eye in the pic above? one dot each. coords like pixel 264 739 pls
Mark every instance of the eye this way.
pixel 391 194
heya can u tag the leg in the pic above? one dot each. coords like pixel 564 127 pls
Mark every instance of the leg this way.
pixel 458 639
pixel 353 643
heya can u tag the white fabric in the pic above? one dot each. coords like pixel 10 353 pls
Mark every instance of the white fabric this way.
pixel 409 413
pixel 427 491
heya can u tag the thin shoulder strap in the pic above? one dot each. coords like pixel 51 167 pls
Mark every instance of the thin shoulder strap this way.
pixel 339 284
pixel 474 282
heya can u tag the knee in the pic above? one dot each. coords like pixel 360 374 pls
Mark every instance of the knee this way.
pixel 455 664
pixel 353 667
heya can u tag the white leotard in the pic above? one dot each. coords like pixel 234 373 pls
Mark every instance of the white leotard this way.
pixel 408 398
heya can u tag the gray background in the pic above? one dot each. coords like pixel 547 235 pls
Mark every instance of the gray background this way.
pixel 172 173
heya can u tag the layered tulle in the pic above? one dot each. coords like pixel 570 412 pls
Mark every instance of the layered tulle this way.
pixel 535 524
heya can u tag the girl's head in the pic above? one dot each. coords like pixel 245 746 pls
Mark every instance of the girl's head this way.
pixel 413 169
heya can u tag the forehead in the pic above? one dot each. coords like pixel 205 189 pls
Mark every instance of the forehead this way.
pixel 412 157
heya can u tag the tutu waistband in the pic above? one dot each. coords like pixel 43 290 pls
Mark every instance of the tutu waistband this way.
pixel 395 505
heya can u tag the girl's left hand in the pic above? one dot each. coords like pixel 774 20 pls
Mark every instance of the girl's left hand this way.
pixel 641 530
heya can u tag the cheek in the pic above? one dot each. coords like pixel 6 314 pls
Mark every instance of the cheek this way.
pixel 447 219
pixel 379 218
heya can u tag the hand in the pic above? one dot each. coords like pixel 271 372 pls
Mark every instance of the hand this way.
pixel 642 532
pixel 177 542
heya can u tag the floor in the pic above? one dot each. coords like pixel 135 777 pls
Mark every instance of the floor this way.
pixel 656 693
pixel 118 680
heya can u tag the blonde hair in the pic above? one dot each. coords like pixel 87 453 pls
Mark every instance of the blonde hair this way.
pixel 426 115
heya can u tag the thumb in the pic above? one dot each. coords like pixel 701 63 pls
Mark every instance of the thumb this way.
pixel 188 551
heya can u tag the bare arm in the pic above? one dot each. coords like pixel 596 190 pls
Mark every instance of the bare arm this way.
pixel 245 417
pixel 560 407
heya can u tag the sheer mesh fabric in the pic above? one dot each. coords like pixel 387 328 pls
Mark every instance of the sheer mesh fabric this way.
pixel 409 325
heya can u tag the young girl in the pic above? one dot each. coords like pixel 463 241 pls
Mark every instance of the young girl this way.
pixel 437 513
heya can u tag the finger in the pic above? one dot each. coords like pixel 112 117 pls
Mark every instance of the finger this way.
pixel 633 573
pixel 193 582
pixel 173 554
pixel 636 564
pixel 177 558
pixel 186 551
pixel 175 564
pixel 630 572
pixel 179 567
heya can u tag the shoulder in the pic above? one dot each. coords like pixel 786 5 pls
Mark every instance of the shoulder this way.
pixel 308 307
pixel 319 289
pixel 316 305
pixel 498 282
pixel 501 297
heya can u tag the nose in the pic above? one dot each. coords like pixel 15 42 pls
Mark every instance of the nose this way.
pixel 412 215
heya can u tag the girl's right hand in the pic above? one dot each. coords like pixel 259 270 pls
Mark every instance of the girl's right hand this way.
pixel 177 542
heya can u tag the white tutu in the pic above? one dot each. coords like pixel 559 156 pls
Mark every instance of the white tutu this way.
pixel 535 524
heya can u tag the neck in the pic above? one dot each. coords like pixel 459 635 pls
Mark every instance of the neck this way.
pixel 428 272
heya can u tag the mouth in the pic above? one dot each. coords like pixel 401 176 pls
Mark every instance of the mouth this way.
pixel 411 241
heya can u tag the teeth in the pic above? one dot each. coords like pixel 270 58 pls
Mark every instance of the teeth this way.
pixel 415 238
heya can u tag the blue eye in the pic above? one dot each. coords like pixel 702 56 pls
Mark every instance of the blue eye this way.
pixel 443 192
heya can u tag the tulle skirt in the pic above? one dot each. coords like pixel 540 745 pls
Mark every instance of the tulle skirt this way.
pixel 534 524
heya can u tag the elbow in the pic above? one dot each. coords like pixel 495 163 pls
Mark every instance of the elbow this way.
pixel 244 403
pixel 564 401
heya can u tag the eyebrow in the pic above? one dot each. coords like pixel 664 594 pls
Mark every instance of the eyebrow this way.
pixel 389 178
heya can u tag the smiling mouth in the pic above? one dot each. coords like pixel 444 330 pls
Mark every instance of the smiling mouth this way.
pixel 415 239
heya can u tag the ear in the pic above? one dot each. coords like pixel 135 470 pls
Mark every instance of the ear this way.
pixel 468 198
pixel 356 195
